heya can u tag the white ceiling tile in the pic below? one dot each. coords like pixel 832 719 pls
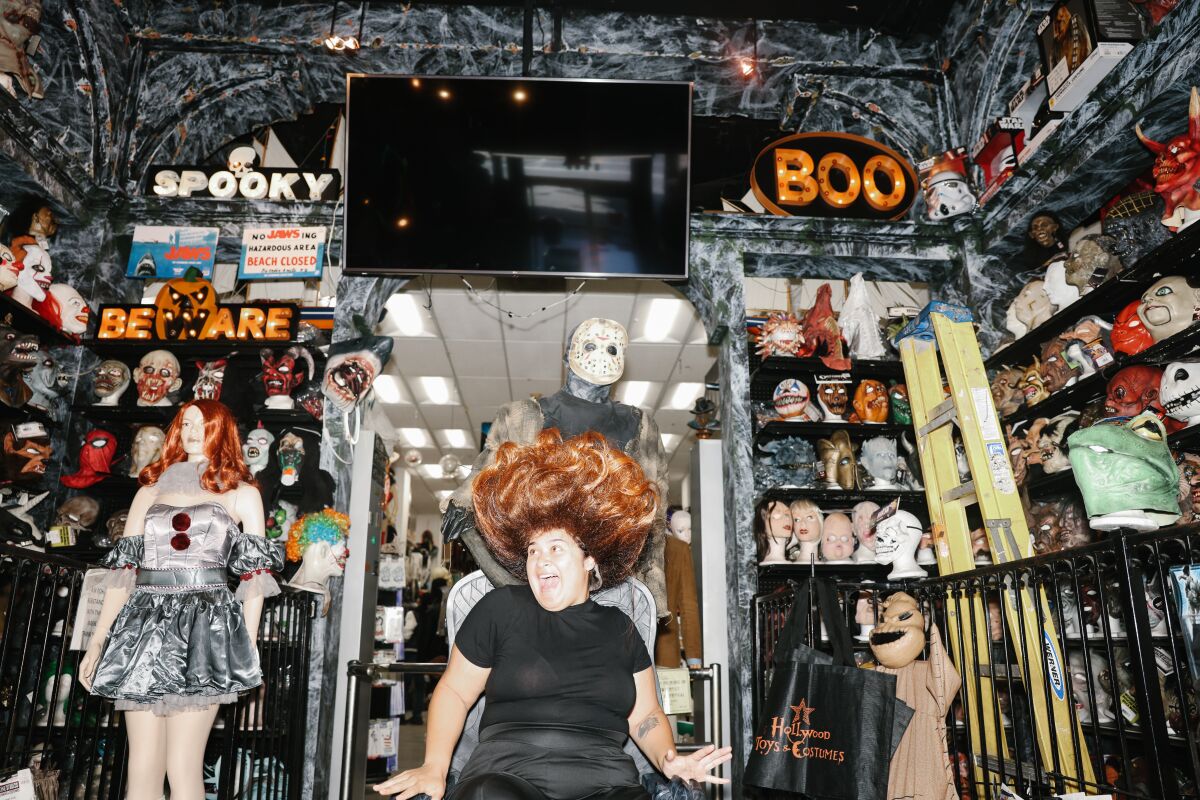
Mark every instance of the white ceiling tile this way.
pixel 443 416
pixel 540 360
pixel 601 304
pixel 402 416
pixel 524 387
pixel 462 317
pixel 485 391
pixel 695 362
pixel 481 358
pixel 671 421
pixel 650 362
pixel 543 326
pixel 421 357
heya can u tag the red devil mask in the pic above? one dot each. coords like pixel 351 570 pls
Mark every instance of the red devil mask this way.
pixel 282 374
pixel 95 460
pixel 1129 334
pixel 1177 164
pixel 1132 390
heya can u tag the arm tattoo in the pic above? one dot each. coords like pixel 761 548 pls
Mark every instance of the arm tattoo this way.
pixel 647 725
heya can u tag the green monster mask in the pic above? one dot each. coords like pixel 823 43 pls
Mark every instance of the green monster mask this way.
pixel 1126 474
pixel 901 410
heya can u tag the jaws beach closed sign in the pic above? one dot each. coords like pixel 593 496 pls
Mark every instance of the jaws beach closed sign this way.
pixel 833 175
pixel 282 253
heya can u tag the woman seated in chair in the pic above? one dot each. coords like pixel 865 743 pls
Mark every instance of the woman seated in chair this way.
pixel 567 679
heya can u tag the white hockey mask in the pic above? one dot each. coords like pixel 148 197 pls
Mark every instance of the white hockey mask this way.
pixel 597 352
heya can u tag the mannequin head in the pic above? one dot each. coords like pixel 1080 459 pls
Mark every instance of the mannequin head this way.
pixel 1061 293
pixel 146 449
pixel 871 401
pixel 900 635
pixel 1006 390
pixel 861 518
pixel 564 516
pixel 157 376
pixel 110 380
pixel 833 393
pixel 837 538
pixel 837 455
pixel 880 461
pixel 597 351
pixel 1132 390
pixel 1056 370
pixel 1169 306
pixel 257 448
pixel 203 430
pixel 901 408
pixel 807 522
pixel 1031 306
pixel 681 526
pixel 1129 333
pixel 772 525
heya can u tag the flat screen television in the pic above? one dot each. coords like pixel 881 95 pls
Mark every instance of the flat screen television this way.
pixel 516 176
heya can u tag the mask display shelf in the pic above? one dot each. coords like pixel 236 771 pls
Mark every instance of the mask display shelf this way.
pixel 164 415
pixel 844 501
pixel 1042 484
pixel 25 413
pixel 857 430
pixel 27 321
pixel 789 365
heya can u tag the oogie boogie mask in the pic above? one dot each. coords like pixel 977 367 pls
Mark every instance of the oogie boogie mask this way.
pixel 597 351
pixel 900 637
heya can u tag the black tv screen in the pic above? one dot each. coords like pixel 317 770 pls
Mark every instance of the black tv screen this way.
pixel 516 176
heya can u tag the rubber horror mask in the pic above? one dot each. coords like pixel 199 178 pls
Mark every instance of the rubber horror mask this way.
pixel 1057 372
pixel 597 351
pixel 1092 262
pixel 291 457
pixel 95 460
pixel 256 450
pixel 352 367
pixel 1052 442
pixel 833 393
pixel 900 636
pixel 1169 307
pixel 1180 391
pixel 1126 474
pixel 1129 334
pixel 1177 169
pixel 794 403
pixel 157 376
pixel 282 374
pixel 109 382
pixel 870 402
pixel 901 408
pixel 29 456
pixel 210 379
pixel 1132 390
pixel 1006 390
pixel 837 456
pixel 1031 306
pixel 881 463
pixel 837 538
pixel 146 448
pixel 1032 384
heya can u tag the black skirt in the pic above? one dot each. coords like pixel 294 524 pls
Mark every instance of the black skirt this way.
pixel 558 762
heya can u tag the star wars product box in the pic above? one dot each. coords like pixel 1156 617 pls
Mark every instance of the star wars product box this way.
pixel 1080 42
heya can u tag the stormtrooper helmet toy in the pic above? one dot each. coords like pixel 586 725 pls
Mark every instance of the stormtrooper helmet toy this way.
pixel 597 351
pixel 897 537
pixel 1179 391
pixel 947 193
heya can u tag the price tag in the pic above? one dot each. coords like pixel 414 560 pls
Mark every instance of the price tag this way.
pixel 675 688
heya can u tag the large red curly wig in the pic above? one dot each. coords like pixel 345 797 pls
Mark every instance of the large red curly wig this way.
pixel 226 467
pixel 593 491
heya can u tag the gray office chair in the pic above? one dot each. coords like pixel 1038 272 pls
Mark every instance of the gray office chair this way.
pixel 631 596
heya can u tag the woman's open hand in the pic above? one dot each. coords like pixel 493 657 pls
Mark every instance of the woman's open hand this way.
pixel 696 767
pixel 422 780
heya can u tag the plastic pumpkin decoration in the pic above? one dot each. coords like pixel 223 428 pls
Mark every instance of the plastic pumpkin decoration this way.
pixel 185 306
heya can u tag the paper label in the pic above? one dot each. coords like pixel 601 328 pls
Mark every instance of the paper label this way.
pixel 1098 353
pixel 985 413
pixel 29 430
pixel 60 536
pixel 1166 664
pixel 1001 468
pixel 675 689
pixel 87 613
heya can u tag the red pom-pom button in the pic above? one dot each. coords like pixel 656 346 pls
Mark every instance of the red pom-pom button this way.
pixel 180 541
pixel 181 522
pixel 249 575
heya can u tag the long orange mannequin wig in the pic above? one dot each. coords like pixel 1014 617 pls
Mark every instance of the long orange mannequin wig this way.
pixel 226 468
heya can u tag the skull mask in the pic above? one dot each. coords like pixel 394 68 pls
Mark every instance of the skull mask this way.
pixel 95 460
pixel 1006 390
pixel 157 377
pixel 900 636
pixel 870 402
pixel 901 409
pixel 257 448
pixel 1056 371
pixel 1129 333
pixel 833 393
pixel 1168 307
pixel 210 380
pixel 837 538
pixel 897 536
pixel 1132 390
pixel 1181 391
pixel 837 455
pixel 146 449
pixel 291 457
pixel 597 351
pixel 793 402
pixel 79 513
pixel 109 382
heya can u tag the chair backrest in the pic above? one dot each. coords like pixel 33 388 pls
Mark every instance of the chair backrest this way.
pixel 631 596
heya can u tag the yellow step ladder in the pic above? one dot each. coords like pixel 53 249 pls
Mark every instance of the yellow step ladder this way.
pixel 948 328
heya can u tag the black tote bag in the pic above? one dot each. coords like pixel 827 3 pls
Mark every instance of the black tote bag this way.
pixel 828 728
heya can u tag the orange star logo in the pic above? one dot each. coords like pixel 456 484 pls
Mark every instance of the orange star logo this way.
pixel 805 711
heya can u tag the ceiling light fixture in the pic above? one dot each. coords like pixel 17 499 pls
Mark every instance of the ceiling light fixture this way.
pixel 437 390
pixel 684 395
pixel 635 393
pixel 456 438
pixel 403 310
pixel 388 388
pixel 415 437
pixel 349 44
pixel 660 318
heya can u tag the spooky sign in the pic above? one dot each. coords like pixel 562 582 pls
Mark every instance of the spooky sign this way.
pixel 186 310
pixel 833 175
pixel 261 183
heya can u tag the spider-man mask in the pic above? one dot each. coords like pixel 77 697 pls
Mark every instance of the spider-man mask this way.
pixel 1129 333
pixel 95 460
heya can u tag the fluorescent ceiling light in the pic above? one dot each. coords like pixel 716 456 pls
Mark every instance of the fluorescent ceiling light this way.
pixel 634 393
pixel 456 438
pixel 660 318
pixel 388 388
pixel 403 310
pixel 684 395
pixel 415 437
pixel 669 440
pixel 433 471
pixel 437 390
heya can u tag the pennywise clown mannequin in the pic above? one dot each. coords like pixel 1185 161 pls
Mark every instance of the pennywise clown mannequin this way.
pixel 595 360
pixel 190 506
pixel 773 531
pixel 807 526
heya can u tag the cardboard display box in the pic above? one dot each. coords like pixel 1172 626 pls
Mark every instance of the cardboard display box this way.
pixel 1080 42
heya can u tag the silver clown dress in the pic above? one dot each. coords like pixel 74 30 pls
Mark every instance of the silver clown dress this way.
pixel 180 642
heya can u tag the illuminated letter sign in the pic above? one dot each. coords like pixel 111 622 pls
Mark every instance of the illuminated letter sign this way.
pixel 833 175
pixel 186 311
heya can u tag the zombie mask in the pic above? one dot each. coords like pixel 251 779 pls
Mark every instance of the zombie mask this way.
pixel 1169 307
pixel 837 538
pixel 9 269
pixel 1006 390
pixel 109 382
pixel 901 409
pixel 157 376
pixel 900 636
pixel 1177 169
pixel 49 382
pixel 29 455
pixel 1132 390
pixel 1031 306
pixel 837 456
pixel 1180 391
pixel 1018 454
pixel 1061 293
pixel 210 380
pixel 793 402
pixel 861 518
pixel 1058 525
pixel 1052 443
pixel 20 23
pixel 833 393
pixel 291 457
pixel 115 527
pixel 1126 474
pixel 597 351
pixel 79 513
pixel 95 460
pixel 146 449
pixel 780 336
pixel 257 448
pixel 1057 372
pixel 870 402
pixel 1032 385
pixel 282 374
pixel 1092 262
pixel 807 522
pixel 352 367
pixel 1043 230
pixel 880 461
pixel 1129 334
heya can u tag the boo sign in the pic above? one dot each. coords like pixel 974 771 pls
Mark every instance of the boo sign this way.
pixel 282 253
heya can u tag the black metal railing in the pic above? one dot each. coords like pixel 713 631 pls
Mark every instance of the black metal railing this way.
pixel 1124 654
pixel 47 720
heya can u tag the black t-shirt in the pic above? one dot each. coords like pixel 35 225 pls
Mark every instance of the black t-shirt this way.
pixel 574 666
